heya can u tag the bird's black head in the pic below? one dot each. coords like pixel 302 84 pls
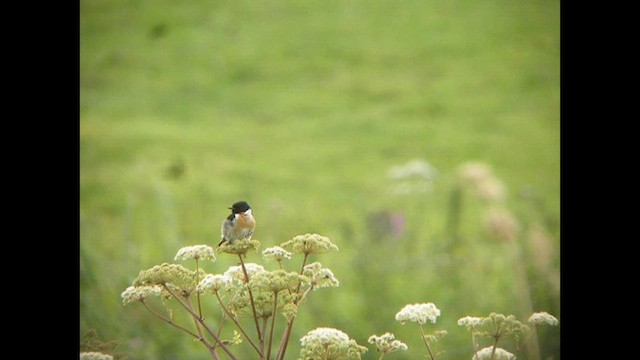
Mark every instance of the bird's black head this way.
pixel 240 207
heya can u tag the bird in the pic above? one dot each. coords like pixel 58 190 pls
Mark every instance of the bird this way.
pixel 239 224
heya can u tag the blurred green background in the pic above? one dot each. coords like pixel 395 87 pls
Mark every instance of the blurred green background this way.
pixel 303 108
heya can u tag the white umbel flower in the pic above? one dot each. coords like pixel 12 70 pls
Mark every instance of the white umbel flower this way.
pixel 320 276
pixel 94 355
pixel 543 318
pixel 471 322
pixel 139 293
pixel 418 313
pixel 500 354
pixel 196 252
pixel 387 343
pixel 236 273
pixel 276 253
pixel 213 282
pixel 324 336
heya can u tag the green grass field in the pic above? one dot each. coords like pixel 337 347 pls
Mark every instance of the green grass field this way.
pixel 302 108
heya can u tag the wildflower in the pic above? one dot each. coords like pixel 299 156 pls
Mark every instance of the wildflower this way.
pixel 499 325
pixel 94 355
pixel 500 354
pixel 320 276
pixel 139 293
pixel 274 281
pixel 436 336
pixel 330 344
pixel 276 253
pixel 196 252
pixel 471 322
pixel 387 343
pixel 418 313
pixel 239 247
pixel 213 283
pixel 236 273
pixel 175 277
pixel 543 318
pixel 310 244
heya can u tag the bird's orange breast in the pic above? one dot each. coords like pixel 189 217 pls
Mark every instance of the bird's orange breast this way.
pixel 246 222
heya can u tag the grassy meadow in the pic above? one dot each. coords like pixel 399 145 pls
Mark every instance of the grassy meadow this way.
pixel 303 108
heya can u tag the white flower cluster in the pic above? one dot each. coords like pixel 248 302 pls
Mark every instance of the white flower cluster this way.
pixel 213 283
pixel 324 336
pixel 320 276
pixel 418 313
pixel 500 354
pixel 94 355
pixel 139 293
pixel 236 273
pixel 276 253
pixel 471 322
pixel 543 318
pixel 310 244
pixel 196 252
pixel 387 343
pixel 330 344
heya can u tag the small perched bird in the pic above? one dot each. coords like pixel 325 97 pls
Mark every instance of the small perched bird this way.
pixel 239 225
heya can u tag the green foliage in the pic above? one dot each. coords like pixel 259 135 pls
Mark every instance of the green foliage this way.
pixel 303 108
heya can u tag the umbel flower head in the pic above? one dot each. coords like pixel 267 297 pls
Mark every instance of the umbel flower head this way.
pixel 175 277
pixel 239 247
pixel 310 244
pixel 196 252
pixel 236 273
pixel 274 281
pixel 320 276
pixel 329 343
pixel 276 253
pixel 139 293
pixel 470 322
pixel 213 283
pixel 500 354
pixel 543 318
pixel 387 343
pixel 94 355
pixel 418 313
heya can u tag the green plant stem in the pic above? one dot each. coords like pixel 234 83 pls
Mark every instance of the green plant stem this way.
pixel 495 345
pixel 200 335
pixel 475 345
pixel 265 322
pixel 219 334
pixel 235 321
pixel 197 281
pixel 197 336
pixel 273 321
pixel 426 342
pixel 285 338
pixel 253 306
pixel 201 321
pixel 169 321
